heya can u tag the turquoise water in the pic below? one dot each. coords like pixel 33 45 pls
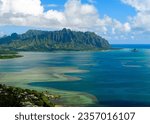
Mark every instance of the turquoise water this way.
pixel 116 78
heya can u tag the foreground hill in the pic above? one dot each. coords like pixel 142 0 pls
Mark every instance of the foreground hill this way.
pixel 36 40
pixel 17 97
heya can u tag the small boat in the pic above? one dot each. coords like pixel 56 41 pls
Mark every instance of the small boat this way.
pixel 134 50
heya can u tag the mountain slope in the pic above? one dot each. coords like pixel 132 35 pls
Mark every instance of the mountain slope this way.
pixel 36 40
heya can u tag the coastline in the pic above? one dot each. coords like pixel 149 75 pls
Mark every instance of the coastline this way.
pixel 59 98
pixel 68 98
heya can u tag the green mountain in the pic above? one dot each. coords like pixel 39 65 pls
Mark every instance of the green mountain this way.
pixel 36 40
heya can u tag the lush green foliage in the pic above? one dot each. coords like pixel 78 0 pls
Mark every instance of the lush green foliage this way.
pixel 36 40
pixel 17 97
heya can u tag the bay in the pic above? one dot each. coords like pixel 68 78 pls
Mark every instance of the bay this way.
pixel 115 77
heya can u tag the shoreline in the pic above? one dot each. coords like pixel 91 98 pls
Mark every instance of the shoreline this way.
pixel 61 98
pixel 68 98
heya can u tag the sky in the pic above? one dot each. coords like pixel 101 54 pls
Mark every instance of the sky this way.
pixel 118 21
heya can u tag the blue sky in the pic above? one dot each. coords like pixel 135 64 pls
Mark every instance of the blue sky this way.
pixel 119 21
pixel 115 9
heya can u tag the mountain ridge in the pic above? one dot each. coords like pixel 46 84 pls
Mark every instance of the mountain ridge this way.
pixel 65 39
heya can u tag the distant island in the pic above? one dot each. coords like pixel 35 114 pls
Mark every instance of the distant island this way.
pixel 37 40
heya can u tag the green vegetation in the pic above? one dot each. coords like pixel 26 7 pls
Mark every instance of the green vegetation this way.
pixel 17 97
pixel 9 56
pixel 6 54
pixel 36 40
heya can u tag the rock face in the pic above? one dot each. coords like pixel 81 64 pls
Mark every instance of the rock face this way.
pixel 36 40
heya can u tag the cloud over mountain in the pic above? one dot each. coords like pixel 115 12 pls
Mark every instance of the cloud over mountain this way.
pixel 75 15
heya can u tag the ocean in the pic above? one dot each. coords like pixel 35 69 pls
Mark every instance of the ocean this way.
pixel 117 78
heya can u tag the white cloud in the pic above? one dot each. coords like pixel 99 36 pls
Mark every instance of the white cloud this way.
pixel 26 7
pixel 142 19
pixel 76 16
pixel 85 17
pixel 126 27
pixel 79 15
pixel 2 34
pixel 139 5
pixel 54 15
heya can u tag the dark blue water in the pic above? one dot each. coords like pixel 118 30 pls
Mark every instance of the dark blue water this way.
pixel 139 46
pixel 117 77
